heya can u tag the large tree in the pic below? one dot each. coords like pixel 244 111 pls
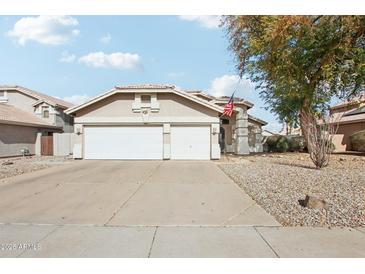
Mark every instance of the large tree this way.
pixel 300 63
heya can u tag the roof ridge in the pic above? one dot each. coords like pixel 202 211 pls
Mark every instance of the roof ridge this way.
pixel 39 95
pixel 146 85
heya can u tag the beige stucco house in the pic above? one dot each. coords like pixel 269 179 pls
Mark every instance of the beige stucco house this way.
pixel 162 122
pixel 351 118
pixel 26 116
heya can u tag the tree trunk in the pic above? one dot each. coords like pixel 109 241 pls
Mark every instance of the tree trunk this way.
pixel 317 133
pixel 304 124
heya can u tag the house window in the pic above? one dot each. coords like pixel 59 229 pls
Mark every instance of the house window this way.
pixel 2 94
pixel 225 122
pixel 45 112
pixel 146 99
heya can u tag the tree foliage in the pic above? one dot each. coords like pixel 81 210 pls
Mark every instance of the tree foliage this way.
pixel 299 62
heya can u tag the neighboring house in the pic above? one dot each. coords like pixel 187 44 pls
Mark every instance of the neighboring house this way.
pixel 267 133
pixel 26 116
pixel 351 118
pixel 161 122
pixel 290 130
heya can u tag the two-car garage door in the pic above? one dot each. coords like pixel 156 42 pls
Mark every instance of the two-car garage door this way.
pixel 145 142
pixel 118 142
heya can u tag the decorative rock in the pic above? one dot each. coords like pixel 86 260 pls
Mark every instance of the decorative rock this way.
pixel 278 187
pixel 314 202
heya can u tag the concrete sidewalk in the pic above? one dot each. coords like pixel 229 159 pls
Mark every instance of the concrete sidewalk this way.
pixel 23 240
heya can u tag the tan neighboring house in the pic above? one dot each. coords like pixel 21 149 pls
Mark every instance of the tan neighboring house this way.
pixel 154 121
pixel 351 118
pixel 28 120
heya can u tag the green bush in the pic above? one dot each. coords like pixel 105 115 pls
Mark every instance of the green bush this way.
pixel 358 141
pixel 277 143
pixel 296 143
pixel 281 143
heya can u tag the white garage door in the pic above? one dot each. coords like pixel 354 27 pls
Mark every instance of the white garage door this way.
pixel 190 143
pixel 129 143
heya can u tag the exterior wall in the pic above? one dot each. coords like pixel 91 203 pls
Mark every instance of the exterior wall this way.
pixel 255 138
pixel 342 139
pixel 65 121
pixel 172 109
pixel 20 100
pixel 52 113
pixel 120 105
pixel 14 138
pixel 57 116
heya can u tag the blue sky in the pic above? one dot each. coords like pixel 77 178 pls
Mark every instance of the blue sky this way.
pixel 82 56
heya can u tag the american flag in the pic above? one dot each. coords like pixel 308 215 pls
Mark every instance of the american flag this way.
pixel 228 108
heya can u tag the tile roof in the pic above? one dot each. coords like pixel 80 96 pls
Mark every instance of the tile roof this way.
pixel 253 118
pixel 355 118
pixel 225 99
pixel 40 96
pixel 220 99
pixel 12 115
pixel 357 111
pixel 146 86
pixel 358 99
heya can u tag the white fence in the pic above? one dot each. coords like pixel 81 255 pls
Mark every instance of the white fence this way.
pixel 63 144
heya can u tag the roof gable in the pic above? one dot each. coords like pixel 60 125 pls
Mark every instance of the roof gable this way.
pixel 143 89
pixel 39 96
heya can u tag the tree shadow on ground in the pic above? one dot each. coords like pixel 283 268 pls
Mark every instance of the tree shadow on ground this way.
pixel 296 165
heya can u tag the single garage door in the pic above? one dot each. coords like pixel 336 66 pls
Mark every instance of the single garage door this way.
pixel 123 142
pixel 190 143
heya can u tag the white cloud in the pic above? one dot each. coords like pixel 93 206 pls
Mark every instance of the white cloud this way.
pixel 106 39
pixel 207 21
pixel 77 99
pixel 117 60
pixel 48 30
pixel 226 84
pixel 67 57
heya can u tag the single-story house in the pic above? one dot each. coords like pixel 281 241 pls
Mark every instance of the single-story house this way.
pixel 28 120
pixel 153 121
pixel 350 117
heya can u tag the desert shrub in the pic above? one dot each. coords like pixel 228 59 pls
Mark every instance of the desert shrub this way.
pixel 277 143
pixel 296 143
pixel 358 141
pixel 282 144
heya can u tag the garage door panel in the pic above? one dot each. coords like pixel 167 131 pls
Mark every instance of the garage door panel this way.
pixel 190 143
pixel 129 143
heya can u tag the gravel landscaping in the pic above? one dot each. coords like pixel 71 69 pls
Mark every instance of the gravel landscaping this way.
pixel 278 182
pixel 10 167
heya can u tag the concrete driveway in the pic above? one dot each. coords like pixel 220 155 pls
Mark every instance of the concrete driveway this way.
pixel 121 193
